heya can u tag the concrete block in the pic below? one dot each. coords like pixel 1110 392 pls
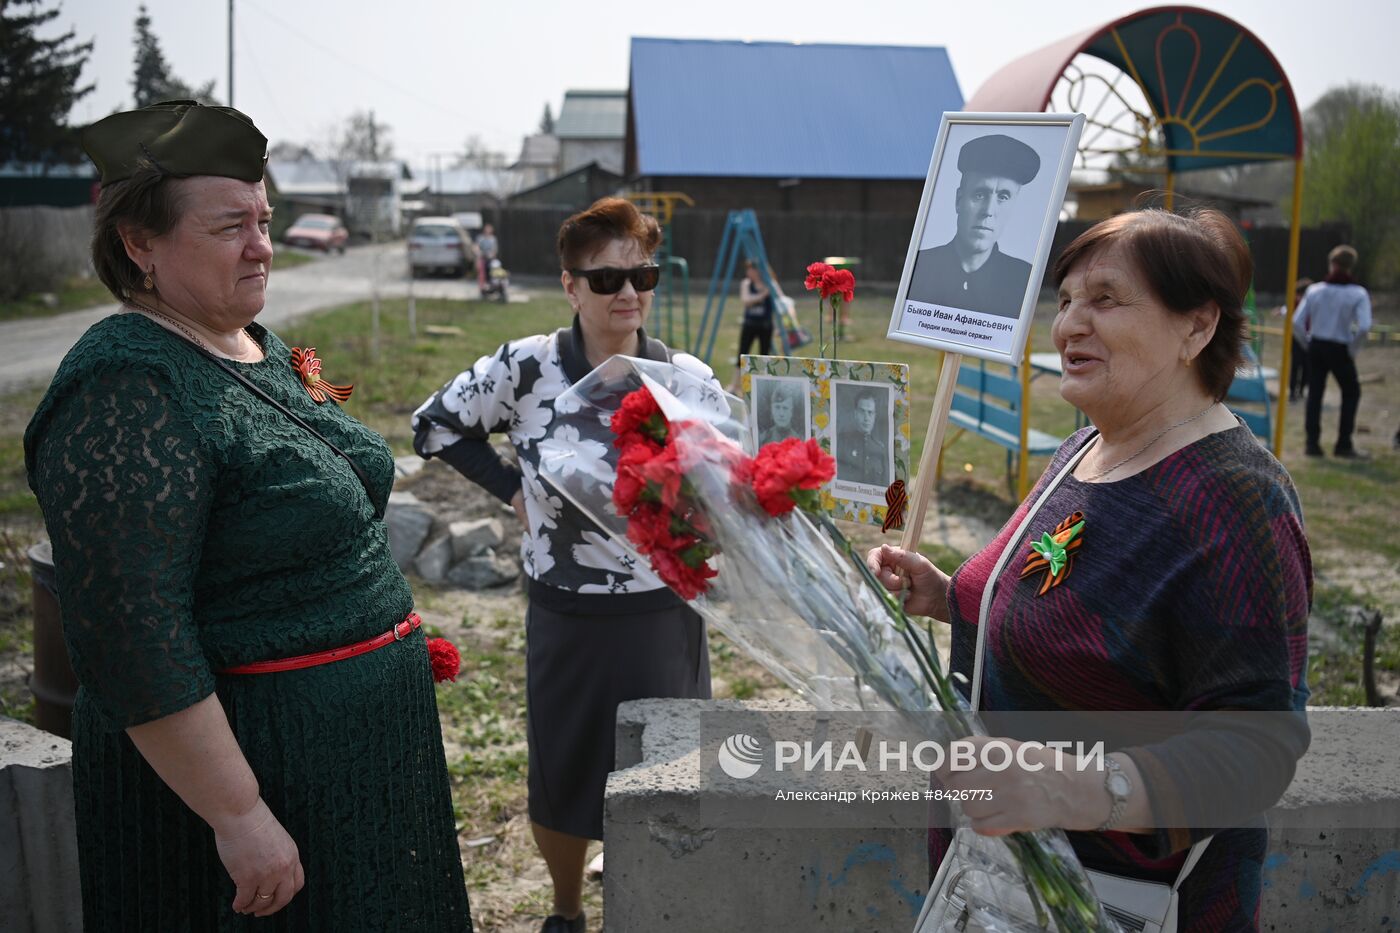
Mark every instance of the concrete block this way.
pixel 1334 845
pixel 677 862
pixel 474 538
pixel 668 869
pixel 39 870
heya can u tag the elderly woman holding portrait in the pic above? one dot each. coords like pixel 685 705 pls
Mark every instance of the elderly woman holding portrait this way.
pixel 599 629
pixel 256 733
pixel 1177 576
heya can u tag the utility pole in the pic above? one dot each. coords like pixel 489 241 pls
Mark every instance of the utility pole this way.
pixel 230 53
pixel 373 137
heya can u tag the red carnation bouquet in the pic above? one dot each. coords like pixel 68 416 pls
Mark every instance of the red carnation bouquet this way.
pixel 737 533
pixel 740 536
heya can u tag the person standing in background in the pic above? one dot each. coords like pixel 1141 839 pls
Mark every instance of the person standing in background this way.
pixel 758 312
pixel 1298 367
pixel 486 250
pixel 1333 319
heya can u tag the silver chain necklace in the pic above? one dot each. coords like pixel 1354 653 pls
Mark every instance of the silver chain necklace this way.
pixel 1143 449
pixel 173 323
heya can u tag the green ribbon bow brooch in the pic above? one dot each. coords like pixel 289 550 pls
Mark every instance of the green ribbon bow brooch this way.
pixel 1054 553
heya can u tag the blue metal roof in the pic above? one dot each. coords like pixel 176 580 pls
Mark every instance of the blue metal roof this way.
pixel 782 110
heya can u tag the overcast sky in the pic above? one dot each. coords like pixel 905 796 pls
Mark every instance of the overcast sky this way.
pixel 438 72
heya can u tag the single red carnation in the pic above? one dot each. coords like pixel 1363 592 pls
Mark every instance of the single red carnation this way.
pixel 649 528
pixel 814 275
pixel 632 439
pixel 630 486
pixel 788 473
pixel 639 413
pixel 839 282
pixel 687 581
pixel 663 475
pixel 445 660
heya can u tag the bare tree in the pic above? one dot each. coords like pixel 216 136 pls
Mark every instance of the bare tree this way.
pixel 365 138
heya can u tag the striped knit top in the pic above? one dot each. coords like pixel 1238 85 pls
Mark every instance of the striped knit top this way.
pixel 1189 590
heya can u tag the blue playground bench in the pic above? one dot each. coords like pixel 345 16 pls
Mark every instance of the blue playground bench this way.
pixel 1248 396
pixel 996 407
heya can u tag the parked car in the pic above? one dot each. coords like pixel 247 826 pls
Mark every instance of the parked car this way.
pixel 317 231
pixel 439 244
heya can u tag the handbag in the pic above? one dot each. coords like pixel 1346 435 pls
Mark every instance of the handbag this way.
pixel 794 334
pixel 974 867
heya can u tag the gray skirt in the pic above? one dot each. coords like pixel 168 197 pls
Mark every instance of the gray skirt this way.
pixel 585 654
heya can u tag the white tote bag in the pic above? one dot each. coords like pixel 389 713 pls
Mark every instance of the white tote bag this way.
pixel 973 866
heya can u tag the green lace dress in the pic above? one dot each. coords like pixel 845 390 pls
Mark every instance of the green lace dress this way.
pixel 195 528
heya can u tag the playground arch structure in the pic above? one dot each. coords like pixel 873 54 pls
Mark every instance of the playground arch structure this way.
pixel 1176 86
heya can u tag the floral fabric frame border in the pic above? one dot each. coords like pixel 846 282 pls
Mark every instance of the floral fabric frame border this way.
pixel 850 501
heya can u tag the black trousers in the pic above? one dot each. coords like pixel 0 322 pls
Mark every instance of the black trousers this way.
pixel 762 331
pixel 1324 357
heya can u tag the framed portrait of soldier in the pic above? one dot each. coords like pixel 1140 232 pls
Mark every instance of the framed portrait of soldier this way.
pixel 779 409
pixel 862 439
pixel 982 235
pixel 857 410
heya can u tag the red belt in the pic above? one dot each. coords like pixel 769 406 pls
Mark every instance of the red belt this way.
pixel 397 633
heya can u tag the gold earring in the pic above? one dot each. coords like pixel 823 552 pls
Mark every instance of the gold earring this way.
pixel 149 282
pixel 1188 362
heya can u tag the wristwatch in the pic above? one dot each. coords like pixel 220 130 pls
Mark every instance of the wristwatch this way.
pixel 1119 787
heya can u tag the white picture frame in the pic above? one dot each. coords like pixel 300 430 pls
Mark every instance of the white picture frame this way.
pixel 991 201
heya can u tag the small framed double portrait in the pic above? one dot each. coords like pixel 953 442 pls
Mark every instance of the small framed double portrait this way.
pixel 994 192
pixel 857 410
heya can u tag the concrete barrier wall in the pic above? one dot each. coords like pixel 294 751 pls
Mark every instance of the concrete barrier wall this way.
pixel 668 870
pixel 38 846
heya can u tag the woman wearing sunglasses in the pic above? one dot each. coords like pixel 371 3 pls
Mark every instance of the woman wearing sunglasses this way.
pixel 599 628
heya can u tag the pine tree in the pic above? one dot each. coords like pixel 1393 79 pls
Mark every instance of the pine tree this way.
pixel 547 121
pixel 152 82
pixel 38 85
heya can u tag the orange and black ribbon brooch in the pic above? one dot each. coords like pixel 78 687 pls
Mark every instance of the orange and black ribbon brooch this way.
pixel 895 502
pixel 309 368
pixel 1054 553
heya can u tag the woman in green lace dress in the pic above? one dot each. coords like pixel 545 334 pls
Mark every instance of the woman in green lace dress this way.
pixel 212 509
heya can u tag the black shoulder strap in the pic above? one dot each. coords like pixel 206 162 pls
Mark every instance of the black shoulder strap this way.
pixel 295 419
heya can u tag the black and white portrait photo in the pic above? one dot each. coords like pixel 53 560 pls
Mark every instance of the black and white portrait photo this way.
pixel 970 271
pixel 780 409
pixel 991 201
pixel 863 446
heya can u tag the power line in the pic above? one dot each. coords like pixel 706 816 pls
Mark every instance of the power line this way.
pixel 358 66
pixel 257 70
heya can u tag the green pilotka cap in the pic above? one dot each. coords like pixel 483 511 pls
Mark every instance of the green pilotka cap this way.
pixel 180 137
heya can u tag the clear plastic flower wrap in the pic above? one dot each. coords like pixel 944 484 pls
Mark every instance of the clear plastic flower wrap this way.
pixel 699 507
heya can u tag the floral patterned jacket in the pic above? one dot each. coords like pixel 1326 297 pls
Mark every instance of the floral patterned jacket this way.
pixel 512 392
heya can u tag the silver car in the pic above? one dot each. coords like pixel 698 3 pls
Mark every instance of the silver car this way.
pixel 439 244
